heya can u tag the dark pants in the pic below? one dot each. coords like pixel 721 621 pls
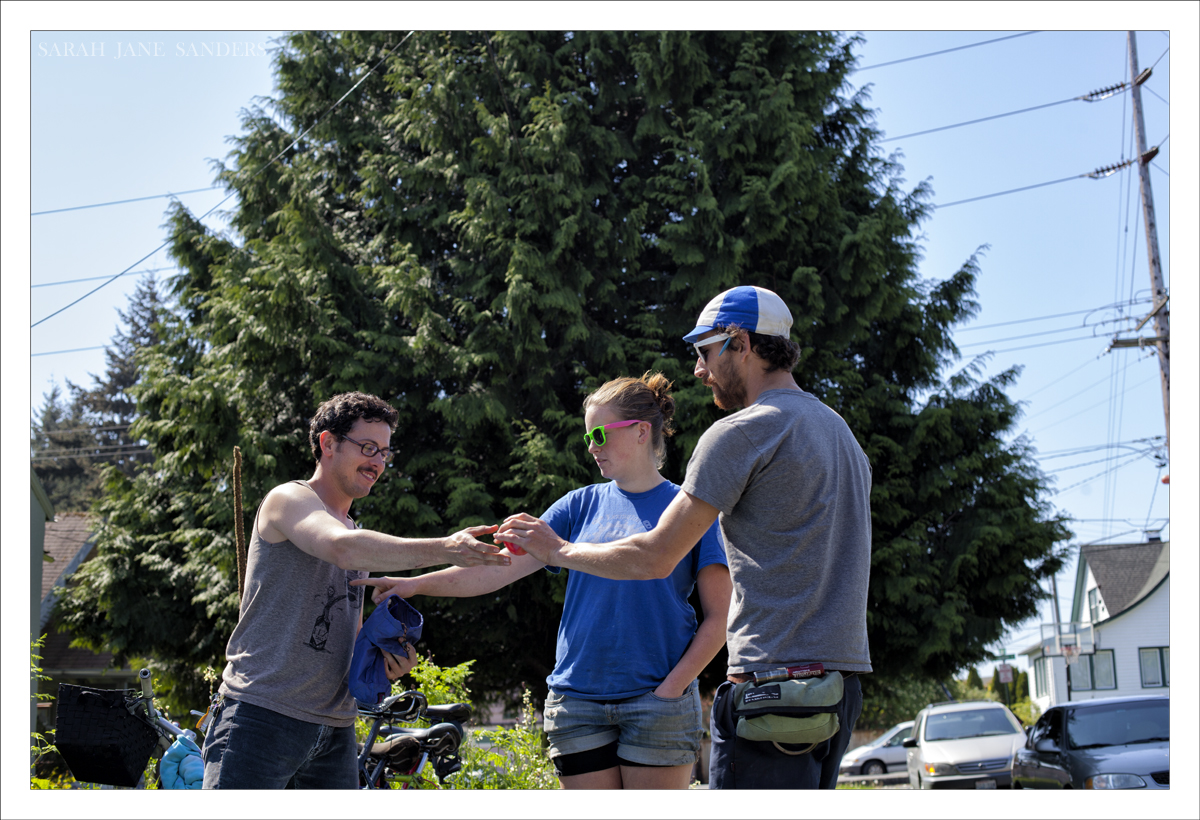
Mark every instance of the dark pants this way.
pixel 249 747
pixel 737 763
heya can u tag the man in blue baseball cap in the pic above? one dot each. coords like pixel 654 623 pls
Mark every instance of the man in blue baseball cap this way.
pixel 791 488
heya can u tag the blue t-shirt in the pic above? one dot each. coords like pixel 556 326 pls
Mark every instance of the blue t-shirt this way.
pixel 620 639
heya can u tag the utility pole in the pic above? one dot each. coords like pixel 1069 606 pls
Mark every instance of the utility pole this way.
pixel 1160 312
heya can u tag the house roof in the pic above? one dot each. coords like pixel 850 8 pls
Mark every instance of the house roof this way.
pixel 60 658
pixel 1125 573
pixel 66 537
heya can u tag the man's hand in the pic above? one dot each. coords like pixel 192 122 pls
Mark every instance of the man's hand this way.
pixel 532 535
pixel 396 666
pixel 389 585
pixel 463 549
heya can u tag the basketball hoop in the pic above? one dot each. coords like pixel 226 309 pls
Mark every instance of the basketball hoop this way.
pixel 1070 653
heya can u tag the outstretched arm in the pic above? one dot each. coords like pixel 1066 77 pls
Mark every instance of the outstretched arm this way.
pixel 715 591
pixel 637 557
pixel 456 582
pixel 294 513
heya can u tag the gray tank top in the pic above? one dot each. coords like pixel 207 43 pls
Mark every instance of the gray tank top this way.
pixel 292 646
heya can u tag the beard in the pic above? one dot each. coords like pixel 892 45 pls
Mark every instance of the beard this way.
pixel 729 390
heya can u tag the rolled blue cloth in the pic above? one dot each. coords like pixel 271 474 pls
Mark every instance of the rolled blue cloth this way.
pixel 182 767
pixel 394 623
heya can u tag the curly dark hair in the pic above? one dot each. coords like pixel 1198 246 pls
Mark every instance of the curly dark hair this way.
pixel 339 414
pixel 779 353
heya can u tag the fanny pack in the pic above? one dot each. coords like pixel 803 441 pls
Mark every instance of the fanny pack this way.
pixel 789 711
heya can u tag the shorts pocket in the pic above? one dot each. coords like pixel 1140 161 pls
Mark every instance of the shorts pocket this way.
pixel 689 692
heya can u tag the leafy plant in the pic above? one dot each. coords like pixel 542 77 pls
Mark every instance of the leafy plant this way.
pixel 505 758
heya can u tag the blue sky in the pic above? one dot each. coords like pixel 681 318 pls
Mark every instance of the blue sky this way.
pixel 146 112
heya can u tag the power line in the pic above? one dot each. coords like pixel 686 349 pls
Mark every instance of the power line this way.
pixel 122 201
pixel 119 275
pixel 1097 404
pixel 944 51
pixel 95 278
pixel 981 119
pixel 1052 316
pixel 1011 191
pixel 64 430
pixel 1099 475
pixel 144 451
pixel 98 450
pixel 1155 93
pixel 1043 344
pixel 1091 96
pixel 1099 173
pixel 275 159
pixel 1077 394
pixel 73 350
pixel 1091 448
pixel 1018 338
pixel 1081 464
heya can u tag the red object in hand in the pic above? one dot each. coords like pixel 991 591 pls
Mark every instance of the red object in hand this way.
pixel 513 548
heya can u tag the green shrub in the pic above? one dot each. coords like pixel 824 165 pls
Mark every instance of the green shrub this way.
pixel 506 758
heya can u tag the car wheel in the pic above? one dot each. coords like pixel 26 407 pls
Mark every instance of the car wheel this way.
pixel 873 768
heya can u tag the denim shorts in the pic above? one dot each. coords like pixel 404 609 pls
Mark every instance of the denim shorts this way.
pixel 649 730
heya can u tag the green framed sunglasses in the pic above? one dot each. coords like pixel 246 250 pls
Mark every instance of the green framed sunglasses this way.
pixel 596 434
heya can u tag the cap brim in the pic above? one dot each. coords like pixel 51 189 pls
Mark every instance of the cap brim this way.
pixel 696 333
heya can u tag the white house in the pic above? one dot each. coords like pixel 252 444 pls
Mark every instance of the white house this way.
pixel 1123 592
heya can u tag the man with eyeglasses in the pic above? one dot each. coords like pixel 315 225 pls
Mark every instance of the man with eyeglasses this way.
pixel 791 488
pixel 286 718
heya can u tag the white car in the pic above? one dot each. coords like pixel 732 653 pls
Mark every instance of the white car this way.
pixel 963 746
pixel 882 755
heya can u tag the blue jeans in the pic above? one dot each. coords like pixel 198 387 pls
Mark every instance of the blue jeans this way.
pixel 737 763
pixel 249 747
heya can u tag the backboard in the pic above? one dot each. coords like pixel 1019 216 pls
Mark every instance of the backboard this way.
pixel 1079 637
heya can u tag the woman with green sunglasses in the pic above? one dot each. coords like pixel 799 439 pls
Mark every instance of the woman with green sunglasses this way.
pixel 624 705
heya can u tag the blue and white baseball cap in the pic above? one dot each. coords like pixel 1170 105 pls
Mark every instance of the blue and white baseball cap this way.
pixel 750 308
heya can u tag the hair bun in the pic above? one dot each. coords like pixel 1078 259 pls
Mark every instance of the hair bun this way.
pixel 661 386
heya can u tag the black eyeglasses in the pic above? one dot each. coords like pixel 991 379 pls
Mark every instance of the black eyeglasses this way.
pixel 369 449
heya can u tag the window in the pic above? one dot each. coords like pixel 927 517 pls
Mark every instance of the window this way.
pixel 1048 727
pixel 1119 724
pixel 1093 671
pixel 1041 681
pixel 1104 670
pixel 1094 603
pixel 969 723
pixel 1156 666
pixel 1080 674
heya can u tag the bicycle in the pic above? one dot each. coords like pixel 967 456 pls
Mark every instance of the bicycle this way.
pixel 398 754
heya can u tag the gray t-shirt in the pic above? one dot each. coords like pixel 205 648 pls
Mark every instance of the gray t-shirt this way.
pixel 292 646
pixel 793 488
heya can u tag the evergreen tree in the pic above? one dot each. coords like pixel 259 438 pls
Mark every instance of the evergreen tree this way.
pixel 973 679
pixel 72 440
pixel 493 224
pixel 108 404
pixel 60 440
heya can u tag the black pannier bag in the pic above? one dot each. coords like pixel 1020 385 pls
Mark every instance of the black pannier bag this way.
pixel 99 738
